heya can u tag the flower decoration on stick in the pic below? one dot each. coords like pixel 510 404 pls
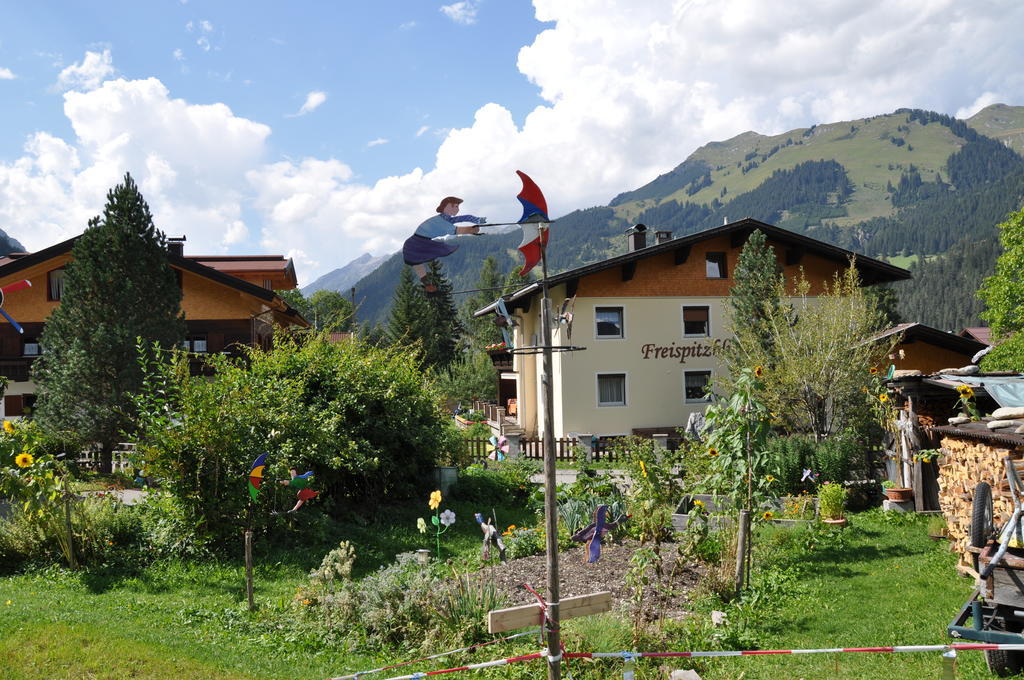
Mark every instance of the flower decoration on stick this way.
pixel 440 520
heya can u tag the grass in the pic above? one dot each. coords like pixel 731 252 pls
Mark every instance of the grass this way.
pixel 885 583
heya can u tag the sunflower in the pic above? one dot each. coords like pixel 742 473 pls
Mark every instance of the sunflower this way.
pixel 8 427
pixel 769 478
pixel 873 370
pixel 435 500
pixel 758 371
pixel 698 504
pixel 23 460
pixel 712 452
pixel 883 397
pixel 768 515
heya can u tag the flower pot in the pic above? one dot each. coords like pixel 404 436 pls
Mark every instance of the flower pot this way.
pixel 839 523
pixel 501 358
pixel 897 494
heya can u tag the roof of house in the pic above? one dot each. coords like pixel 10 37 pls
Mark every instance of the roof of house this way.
pixel 871 270
pixel 920 332
pixel 20 262
pixel 979 333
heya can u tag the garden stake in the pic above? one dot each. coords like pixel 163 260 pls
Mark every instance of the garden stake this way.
pixel 949 665
pixel 741 550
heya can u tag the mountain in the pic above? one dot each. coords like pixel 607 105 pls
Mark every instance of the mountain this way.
pixel 910 186
pixel 8 244
pixel 343 278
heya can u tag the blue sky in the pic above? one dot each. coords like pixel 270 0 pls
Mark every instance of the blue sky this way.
pixel 323 130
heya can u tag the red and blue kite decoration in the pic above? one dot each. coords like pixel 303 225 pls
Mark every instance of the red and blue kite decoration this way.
pixel 17 285
pixel 256 475
pixel 534 222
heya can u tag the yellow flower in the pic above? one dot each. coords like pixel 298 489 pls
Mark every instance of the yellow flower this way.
pixel 508 532
pixel 8 427
pixel 8 603
pixel 873 370
pixel 712 452
pixel 758 371
pixel 883 397
pixel 768 514
pixel 698 504
pixel 965 391
pixel 435 500
pixel 23 460
pixel 643 468
pixel 306 603
pixel 769 479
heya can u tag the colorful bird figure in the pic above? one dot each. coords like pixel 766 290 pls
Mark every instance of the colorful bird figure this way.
pixel 491 537
pixel 301 482
pixel 256 475
pixel 10 288
pixel 592 533
pixel 497 448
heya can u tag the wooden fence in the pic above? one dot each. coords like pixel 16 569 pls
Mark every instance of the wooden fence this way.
pixel 604 448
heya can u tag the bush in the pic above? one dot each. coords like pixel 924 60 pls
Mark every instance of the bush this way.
pixel 361 417
pixel 508 480
pixel 830 460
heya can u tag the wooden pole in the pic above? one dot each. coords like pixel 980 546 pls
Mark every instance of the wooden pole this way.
pixel 72 560
pixel 550 501
pixel 248 568
pixel 741 550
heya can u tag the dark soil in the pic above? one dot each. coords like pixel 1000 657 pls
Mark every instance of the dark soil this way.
pixel 577 577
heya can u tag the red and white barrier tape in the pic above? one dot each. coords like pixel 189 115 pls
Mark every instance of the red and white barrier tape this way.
pixel 632 656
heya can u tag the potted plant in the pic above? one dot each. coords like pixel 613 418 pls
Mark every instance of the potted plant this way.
pixel 896 493
pixel 831 501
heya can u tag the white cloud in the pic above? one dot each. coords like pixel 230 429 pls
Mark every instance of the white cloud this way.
pixel 407 26
pixel 461 12
pixel 188 159
pixel 377 142
pixel 204 43
pixel 313 101
pixel 94 68
pixel 6 74
pixel 629 88
pixel 423 130
pixel 178 54
pixel 985 99
pixel 206 26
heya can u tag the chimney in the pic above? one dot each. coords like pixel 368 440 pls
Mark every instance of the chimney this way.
pixel 636 237
pixel 176 245
pixel 662 235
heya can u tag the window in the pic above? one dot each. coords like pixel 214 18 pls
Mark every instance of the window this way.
pixel 609 322
pixel 55 285
pixel 31 348
pixel 695 385
pixel 715 263
pixel 611 389
pixel 195 343
pixel 696 322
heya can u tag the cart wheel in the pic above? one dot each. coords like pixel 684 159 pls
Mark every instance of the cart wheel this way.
pixel 981 515
pixel 1003 662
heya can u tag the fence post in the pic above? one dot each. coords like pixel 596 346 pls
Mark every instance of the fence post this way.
pixel 514 446
pixel 586 440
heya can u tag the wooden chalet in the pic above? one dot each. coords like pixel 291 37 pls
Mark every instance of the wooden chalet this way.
pixel 227 301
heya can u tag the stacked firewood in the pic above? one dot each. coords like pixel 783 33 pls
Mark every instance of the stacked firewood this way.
pixel 965 463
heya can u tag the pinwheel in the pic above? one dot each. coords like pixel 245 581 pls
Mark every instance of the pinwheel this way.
pixel 534 222
pixel 592 533
pixel 256 475
pixel 497 448
pixel 10 288
pixel 505 322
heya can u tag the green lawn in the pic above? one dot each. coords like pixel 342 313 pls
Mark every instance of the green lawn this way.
pixel 887 585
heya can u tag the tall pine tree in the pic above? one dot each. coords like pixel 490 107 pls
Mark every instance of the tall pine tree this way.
pixel 755 298
pixel 118 287
pixel 432 321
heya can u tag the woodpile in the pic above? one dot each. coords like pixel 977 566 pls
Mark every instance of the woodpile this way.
pixel 965 463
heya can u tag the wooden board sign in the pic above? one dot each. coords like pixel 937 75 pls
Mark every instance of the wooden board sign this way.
pixel 529 615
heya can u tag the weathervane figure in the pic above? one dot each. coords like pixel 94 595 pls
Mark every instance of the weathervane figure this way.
pixel 423 246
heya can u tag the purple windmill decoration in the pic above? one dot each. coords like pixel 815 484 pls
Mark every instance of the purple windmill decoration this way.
pixel 592 533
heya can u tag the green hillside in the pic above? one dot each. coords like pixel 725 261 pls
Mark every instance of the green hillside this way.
pixel 901 185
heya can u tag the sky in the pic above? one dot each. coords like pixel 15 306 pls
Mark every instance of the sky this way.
pixel 323 130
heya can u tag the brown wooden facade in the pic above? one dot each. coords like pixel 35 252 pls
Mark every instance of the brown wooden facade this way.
pixel 222 311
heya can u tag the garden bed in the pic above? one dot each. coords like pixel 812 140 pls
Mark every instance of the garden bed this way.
pixel 577 577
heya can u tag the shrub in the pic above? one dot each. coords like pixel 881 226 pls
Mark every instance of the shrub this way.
pixel 362 417
pixel 831 500
pixel 482 486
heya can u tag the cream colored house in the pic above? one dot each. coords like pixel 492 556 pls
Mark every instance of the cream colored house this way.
pixel 653 322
